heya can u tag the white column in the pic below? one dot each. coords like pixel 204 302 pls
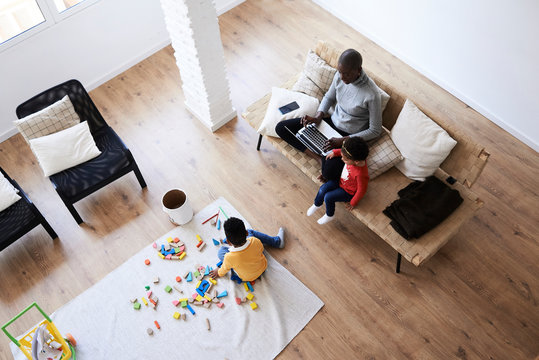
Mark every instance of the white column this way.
pixel 196 39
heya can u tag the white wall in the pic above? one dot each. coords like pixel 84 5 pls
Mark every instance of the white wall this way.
pixel 93 46
pixel 485 52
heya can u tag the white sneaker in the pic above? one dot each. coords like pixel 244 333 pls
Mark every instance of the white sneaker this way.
pixel 312 209
pixel 325 219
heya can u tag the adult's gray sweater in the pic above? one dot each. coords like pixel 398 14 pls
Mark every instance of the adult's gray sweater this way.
pixel 358 109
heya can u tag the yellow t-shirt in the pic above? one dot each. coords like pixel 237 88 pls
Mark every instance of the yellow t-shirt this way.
pixel 248 260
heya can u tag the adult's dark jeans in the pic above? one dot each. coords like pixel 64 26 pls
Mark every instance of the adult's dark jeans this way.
pixel 332 168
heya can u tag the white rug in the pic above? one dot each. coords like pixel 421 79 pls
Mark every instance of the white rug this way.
pixel 106 325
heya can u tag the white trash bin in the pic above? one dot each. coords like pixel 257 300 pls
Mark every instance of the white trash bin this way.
pixel 177 207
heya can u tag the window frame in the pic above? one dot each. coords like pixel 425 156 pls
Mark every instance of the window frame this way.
pixel 51 17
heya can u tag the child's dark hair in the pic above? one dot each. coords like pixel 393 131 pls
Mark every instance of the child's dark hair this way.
pixel 235 231
pixel 355 148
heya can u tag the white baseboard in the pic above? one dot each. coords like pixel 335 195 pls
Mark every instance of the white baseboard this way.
pixel 351 20
pixel 212 125
pixel 228 5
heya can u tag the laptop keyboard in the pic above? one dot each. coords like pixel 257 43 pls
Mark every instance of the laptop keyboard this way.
pixel 314 137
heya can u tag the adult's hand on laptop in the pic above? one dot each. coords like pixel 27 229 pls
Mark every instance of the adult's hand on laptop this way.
pixel 334 143
pixel 306 119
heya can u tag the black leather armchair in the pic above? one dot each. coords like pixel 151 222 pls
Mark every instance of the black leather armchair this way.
pixel 20 218
pixel 115 160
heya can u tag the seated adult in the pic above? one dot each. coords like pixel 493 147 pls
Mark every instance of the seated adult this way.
pixel 358 112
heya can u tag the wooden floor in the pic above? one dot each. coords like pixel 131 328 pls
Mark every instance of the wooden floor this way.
pixel 476 299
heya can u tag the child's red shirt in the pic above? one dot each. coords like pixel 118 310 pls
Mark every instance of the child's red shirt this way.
pixel 354 180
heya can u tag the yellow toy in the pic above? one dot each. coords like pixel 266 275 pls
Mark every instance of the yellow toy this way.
pixel 64 347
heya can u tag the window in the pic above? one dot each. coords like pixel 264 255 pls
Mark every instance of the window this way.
pixel 20 19
pixel 18 16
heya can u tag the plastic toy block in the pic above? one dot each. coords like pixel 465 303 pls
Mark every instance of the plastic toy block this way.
pixel 136 305
pixel 183 299
pixel 170 252
pixel 176 251
pixel 238 301
pixel 168 289
pixel 250 296
pixel 134 300
pixel 189 277
pixel 191 309
pixel 156 279
pixel 157 324
pixel 215 242
pixel 224 241
pixel 198 284
pixel 175 302
pixel 200 243
pixel 204 285
pixel 243 299
pixel 176 240
pixel 219 264
pixel 213 222
pixel 147 261
pixel 174 245
pixel 207 305
pixel 219 224
pixel 182 255
pixel 213 281
pixel 201 247
pixel 207 297
pixel 208 219
pixel 207 270
pixel 209 287
pixel 144 301
pixel 152 301
pixel 200 292
pixel 220 305
pixel 215 300
pixel 191 300
pixel 194 296
pixel 253 305
pixel 161 255
pixel 149 294
pixel 177 289
pixel 184 317
pixel 183 303
pixel 208 324
pixel 176 315
pixel 147 287
pixel 178 278
pixel 149 331
pixel 168 257
pixel 162 250
pixel 250 286
pixel 199 238
pixel 198 298
pixel 246 287
pixel 196 273
pixel 169 239
pixel 167 247
pixel 182 248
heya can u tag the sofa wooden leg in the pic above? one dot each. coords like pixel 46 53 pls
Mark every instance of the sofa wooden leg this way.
pixel 259 141
pixel 399 257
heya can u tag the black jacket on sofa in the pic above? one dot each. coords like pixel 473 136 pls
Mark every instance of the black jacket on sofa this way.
pixel 422 205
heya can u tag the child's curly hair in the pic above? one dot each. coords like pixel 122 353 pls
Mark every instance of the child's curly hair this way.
pixel 355 148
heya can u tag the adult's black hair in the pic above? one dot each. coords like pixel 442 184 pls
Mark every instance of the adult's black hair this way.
pixel 235 231
pixel 351 59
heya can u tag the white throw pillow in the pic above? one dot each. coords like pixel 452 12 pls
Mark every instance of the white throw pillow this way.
pixel 58 116
pixel 383 155
pixel 64 149
pixel 422 142
pixel 8 193
pixel 280 97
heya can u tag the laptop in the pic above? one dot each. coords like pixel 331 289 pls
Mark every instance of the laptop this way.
pixel 314 137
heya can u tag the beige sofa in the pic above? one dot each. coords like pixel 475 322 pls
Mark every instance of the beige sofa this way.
pixel 465 163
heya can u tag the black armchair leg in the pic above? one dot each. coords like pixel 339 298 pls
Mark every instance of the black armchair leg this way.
pixel 73 212
pixel 399 257
pixel 138 174
pixel 48 228
pixel 259 141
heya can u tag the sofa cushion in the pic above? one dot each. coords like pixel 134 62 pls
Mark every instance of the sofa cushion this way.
pixel 316 77
pixel 56 117
pixel 422 142
pixel 279 97
pixel 8 193
pixel 383 155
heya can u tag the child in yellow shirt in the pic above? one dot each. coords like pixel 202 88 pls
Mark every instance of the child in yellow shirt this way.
pixel 245 256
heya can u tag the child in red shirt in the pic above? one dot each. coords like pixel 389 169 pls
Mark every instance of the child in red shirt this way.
pixel 353 182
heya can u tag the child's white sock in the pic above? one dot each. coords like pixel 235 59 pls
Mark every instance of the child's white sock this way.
pixel 325 219
pixel 281 236
pixel 312 209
